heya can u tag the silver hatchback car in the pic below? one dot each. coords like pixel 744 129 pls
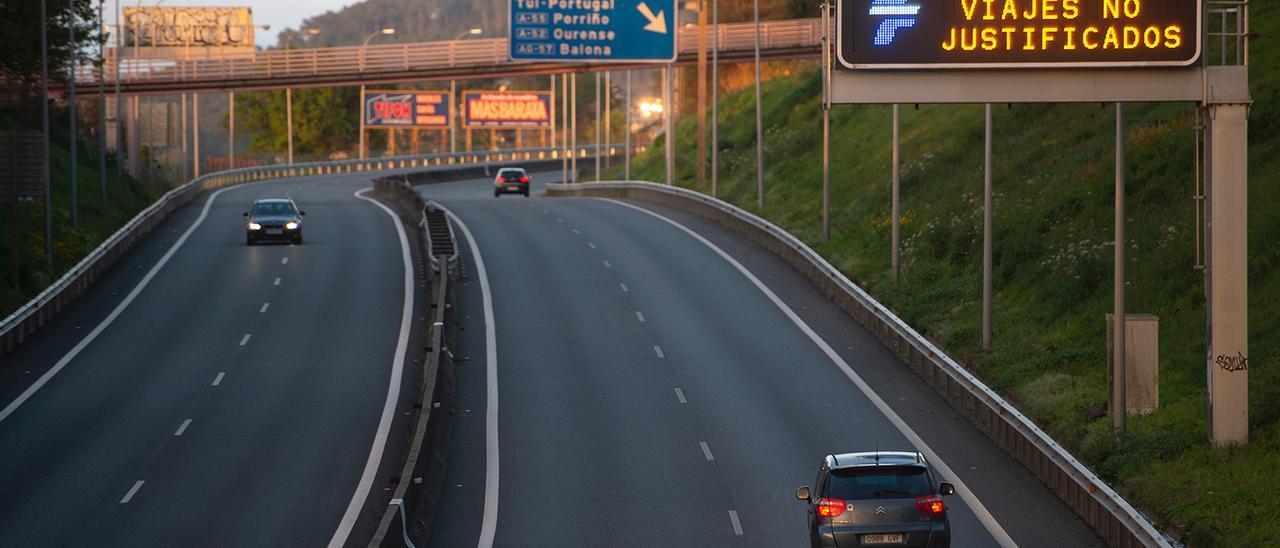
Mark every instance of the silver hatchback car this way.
pixel 886 498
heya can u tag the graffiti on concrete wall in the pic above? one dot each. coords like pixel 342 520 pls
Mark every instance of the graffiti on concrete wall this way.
pixel 188 27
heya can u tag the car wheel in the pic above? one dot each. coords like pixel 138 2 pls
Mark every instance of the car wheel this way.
pixel 526 193
pixel 496 194
pixel 248 240
pixel 297 240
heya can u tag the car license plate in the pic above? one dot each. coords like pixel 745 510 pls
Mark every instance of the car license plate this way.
pixel 274 231
pixel 513 188
pixel 893 538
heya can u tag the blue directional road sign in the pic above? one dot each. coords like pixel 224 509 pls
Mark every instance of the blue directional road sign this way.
pixel 593 30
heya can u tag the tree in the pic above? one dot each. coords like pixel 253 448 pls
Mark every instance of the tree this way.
pixel 20 48
pixel 325 120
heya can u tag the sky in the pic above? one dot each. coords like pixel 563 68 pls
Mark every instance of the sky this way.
pixel 280 14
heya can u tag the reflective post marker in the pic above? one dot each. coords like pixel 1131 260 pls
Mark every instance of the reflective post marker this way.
pixel 893 264
pixel 1119 409
pixel 986 235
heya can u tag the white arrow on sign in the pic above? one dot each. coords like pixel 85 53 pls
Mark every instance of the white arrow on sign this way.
pixel 657 23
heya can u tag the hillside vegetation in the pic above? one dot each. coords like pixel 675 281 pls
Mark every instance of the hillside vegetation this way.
pixel 1054 169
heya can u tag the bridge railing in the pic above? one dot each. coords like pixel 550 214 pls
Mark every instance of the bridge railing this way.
pixel 394 58
pixel 32 316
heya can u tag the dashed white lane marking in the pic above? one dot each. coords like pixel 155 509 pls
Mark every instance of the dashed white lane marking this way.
pixel 284 260
pixel 658 350
pixel 624 287
pixel 218 379
pixel 264 308
pixel 182 428
pixel 245 340
pixel 680 396
pixel 132 491
pixel 559 220
pixel 984 516
pixel 706 450
pixel 591 245
pixel 277 282
pixel 575 231
pixel 607 264
pixel 639 316
pixel 545 211
pixel 737 525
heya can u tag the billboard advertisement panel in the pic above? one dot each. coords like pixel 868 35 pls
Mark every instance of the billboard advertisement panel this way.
pixel 406 109
pixel 507 110
pixel 929 34
pixel 187 27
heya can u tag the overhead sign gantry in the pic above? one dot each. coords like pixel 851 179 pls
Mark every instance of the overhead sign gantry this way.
pixel 593 30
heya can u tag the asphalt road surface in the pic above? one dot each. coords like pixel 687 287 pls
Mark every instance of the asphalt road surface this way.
pixel 649 393
pixel 235 401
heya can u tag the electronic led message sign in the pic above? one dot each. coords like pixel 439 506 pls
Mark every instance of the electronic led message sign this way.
pixel 936 34
pixel 510 110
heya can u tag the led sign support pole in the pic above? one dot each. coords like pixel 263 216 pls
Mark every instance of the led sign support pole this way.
pixel 826 124
pixel 102 108
pixel 608 114
pixel 597 124
pixel 71 106
pixel 44 121
pixel 627 169
pixel 893 263
pixel 986 234
pixel 668 113
pixel 759 120
pixel 1120 365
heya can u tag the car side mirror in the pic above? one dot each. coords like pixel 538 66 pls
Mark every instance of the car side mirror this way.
pixel 946 489
pixel 803 493
pixel 246 214
pixel 301 213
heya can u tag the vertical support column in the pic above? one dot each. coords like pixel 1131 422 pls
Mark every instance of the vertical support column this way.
pixel 826 124
pixel 701 164
pixel 893 263
pixel 564 128
pixel 362 115
pixel 231 130
pixel 102 110
pixel 608 116
pixel 44 123
pixel 597 124
pixel 453 112
pixel 552 134
pixel 1227 273
pixel 668 112
pixel 573 123
pixel 759 120
pixel 71 106
pixel 186 149
pixel 195 136
pixel 715 98
pixel 1119 404
pixel 986 235
pixel 288 115
pixel 627 169
pixel 131 136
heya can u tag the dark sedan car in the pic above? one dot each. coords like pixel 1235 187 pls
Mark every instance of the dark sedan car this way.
pixel 885 498
pixel 511 180
pixel 276 219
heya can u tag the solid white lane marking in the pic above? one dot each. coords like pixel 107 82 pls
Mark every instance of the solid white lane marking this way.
pixel 115 313
pixel 575 231
pixel 264 308
pixel 607 264
pixel 706 450
pixel 680 396
pixel 277 282
pixel 639 316
pixel 182 428
pixel 591 245
pixel 393 388
pixel 624 288
pixel 132 491
pixel 489 523
pixel 245 340
pixel 284 260
pixel 737 525
pixel 218 379
pixel 988 521
pixel 658 350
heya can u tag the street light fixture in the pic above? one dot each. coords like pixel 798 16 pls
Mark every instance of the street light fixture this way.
pixel 453 93
pixel 387 31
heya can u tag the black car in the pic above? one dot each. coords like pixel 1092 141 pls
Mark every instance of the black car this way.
pixel 511 180
pixel 275 219
pixel 886 498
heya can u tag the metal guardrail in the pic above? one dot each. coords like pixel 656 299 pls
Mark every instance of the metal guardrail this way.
pixel 1112 517
pixel 29 318
pixel 368 62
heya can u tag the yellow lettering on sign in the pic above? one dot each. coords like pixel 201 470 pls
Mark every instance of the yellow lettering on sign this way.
pixel 1132 37
pixel 1151 37
pixel 1008 37
pixel 970 6
pixel 1173 37
pixel 1071 38
pixel 950 45
pixel 1110 9
pixel 1050 10
pixel 1010 11
pixel 1111 40
pixel 1030 44
pixel 1032 13
pixel 1070 9
pixel 1047 36
pixel 1084 38
pixel 989 38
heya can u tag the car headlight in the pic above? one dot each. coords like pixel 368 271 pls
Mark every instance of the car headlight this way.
pixel 254 226
pixel 291 225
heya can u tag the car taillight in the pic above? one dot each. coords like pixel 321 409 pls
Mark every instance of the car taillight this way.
pixel 830 508
pixel 498 180
pixel 931 504
pixel 524 179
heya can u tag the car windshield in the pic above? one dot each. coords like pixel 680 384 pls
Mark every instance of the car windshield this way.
pixel 511 173
pixel 273 208
pixel 878 483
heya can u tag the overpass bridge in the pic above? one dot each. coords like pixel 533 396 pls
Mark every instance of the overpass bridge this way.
pixel 420 61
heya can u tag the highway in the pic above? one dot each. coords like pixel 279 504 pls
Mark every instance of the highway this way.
pixel 235 401
pixel 650 393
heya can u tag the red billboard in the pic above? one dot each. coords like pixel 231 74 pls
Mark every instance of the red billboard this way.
pixel 506 110
pixel 406 108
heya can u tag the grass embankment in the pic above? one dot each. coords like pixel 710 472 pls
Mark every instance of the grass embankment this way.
pixel 1054 169
pixel 98 219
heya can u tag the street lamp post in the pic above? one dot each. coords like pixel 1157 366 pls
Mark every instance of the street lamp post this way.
pixel 385 31
pixel 71 106
pixel 102 107
pixel 453 93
